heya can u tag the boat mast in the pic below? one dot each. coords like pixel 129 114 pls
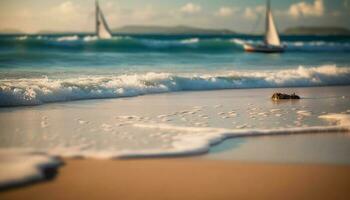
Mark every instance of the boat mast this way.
pixel 102 29
pixel 267 25
pixel 97 22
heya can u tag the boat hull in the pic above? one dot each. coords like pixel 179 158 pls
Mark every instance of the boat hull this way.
pixel 263 48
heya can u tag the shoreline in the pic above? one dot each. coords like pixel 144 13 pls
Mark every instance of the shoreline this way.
pixel 182 178
pixel 180 122
pixel 173 117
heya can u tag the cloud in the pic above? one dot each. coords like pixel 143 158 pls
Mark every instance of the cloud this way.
pixel 67 7
pixel 191 8
pixel 67 15
pixel 252 13
pixel 147 13
pixel 62 16
pixel 249 13
pixel 65 10
pixel 225 12
pixel 74 15
pixel 307 10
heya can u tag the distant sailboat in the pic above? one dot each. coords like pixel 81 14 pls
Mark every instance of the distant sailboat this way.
pixel 102 29
pixel 272 43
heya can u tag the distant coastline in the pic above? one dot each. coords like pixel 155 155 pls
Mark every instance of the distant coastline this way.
pixel 302 30
pixel 166 30
pixel 136 29
pixel 189 30
pixel 11 31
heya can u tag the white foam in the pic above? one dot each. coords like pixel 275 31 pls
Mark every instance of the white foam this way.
pixel 275 110
pixel 303 45
pixel 44 124
pixel 90 38
pixel 106 127
pixel 33 91
pixel 317 46
pixel 239 41
pixel 241 126
pixel 22 166
pixel 190 41
pixel 68 38
pixel 80 121
pixel 199 143
pixel 168 43
pixel 22 37
pixel 304 113
pixel 341 119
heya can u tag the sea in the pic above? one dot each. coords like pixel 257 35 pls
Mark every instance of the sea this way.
pixel 39 69
pixel 137 96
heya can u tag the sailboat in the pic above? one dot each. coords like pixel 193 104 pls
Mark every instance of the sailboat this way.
pixel 272 42
pixel 102 29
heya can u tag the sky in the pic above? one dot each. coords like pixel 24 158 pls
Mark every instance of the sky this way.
pixel 239 15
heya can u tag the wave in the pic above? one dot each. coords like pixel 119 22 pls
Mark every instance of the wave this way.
pixel 33 163
pixel 317 46
pixel 190 41
pixel 36 91
pixel 117 43
pixel 190 44
pixel 305 46
pixel 67 38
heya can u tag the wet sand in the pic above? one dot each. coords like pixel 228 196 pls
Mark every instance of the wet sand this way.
pixel 189 178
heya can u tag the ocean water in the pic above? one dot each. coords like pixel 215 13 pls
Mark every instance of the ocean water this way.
pixel 42 76
pixel 38 69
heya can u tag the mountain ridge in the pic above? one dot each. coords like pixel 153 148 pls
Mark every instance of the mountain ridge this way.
pixel 180 29
pixel 326 30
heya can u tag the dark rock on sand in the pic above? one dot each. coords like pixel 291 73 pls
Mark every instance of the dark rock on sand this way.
pixel 278 96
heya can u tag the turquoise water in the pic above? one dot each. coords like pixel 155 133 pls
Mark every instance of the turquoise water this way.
pixel 41 69
pixel 38 69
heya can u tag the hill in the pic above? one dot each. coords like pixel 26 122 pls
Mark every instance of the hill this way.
pixel 10 31
pixel 317 31
pixel 139 29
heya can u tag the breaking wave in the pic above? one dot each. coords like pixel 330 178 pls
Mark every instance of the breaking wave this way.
pixel 36 91
pixel 167 44
pixel 306 46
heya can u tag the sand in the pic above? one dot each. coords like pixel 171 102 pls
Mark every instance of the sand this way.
pixel 89 125
pixel 189 178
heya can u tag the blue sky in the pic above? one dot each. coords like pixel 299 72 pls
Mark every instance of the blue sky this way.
pixel 78 15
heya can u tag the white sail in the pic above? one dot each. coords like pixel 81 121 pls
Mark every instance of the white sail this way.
pixel 102 29
pixel 271 34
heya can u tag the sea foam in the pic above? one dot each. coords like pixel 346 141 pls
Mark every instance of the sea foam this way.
pixel 18 166
pixel 300 46
pixel 36 91
pixel 201 139
pixel 68 38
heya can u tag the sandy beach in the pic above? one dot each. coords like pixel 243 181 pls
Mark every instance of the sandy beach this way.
pixel 174 100
pixel 189 179
pixel 283 163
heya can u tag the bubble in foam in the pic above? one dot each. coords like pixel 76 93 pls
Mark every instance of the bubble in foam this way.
pixel 44 124
pixel 106 127
pixel 304 113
